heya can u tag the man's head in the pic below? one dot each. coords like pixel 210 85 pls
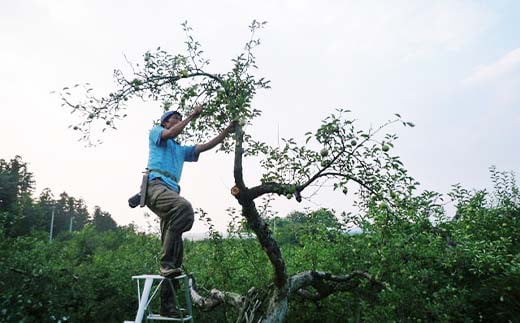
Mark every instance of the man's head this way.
pixel 170 118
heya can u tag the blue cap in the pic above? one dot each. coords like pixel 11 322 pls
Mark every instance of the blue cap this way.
pixel 168 114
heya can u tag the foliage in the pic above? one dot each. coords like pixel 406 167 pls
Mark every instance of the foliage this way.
pixel 21 214
pixel 174 79
pixel 82 278
pixel 102 220
pixel 457 270
pixel 16 185
pixel 465 269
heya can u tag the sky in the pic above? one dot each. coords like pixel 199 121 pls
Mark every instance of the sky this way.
pixel 450 67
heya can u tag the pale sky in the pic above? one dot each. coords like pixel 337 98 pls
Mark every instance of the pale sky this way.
pixel 451 67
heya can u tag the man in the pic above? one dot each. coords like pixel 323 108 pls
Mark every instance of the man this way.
pixel 176 215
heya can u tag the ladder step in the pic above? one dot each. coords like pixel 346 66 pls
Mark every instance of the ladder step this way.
pixel 158 277
pixel 158 317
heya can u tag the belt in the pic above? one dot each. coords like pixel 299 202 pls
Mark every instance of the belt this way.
pixel 157 179
pixel 165 173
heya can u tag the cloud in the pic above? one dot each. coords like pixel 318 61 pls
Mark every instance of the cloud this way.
pixel 498 81
pixel 414 29
pixel 505 67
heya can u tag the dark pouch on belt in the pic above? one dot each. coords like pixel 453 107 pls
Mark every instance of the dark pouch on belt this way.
pixel 140 198
pixel 144 188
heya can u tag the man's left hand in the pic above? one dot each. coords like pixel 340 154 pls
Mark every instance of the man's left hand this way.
pixel 232 127
pixel 197 110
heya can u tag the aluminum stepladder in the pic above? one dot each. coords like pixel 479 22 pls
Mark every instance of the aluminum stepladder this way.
pixel 149 291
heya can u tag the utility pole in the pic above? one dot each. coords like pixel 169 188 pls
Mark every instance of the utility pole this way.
pixel 70 225
pixel 52 224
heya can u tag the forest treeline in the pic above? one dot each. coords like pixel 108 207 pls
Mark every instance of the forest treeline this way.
pixel 464 268
pixel 21 214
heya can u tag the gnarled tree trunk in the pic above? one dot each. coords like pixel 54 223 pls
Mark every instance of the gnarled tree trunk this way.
pixel 273 305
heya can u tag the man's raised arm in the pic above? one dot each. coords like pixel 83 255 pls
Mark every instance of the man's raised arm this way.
pixel 176 129
pixel 218 139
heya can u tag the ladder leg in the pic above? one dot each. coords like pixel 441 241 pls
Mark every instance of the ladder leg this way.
pixel 143 302
pixel 188 296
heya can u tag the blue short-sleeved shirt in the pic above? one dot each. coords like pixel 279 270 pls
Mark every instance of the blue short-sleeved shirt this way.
pixel 168 155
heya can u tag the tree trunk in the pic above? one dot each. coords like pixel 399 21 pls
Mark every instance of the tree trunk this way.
pixel 270 307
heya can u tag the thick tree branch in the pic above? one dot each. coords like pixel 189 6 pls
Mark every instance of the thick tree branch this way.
pixel 271 187
pixel 255 221
pixel 319 280
pixel 268 243
pixel 239 152
pixel 279 188
pixel 307 294
pixel 215 298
